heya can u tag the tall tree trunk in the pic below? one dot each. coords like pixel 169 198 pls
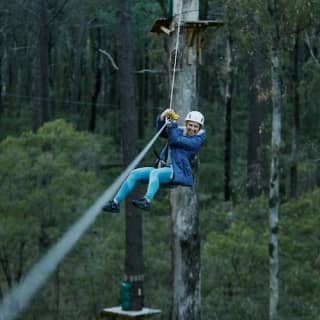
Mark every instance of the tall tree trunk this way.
pixel 253 135
pixel 95 95
pixel 142 86
pixel 1 104
pixel 186 240
pixel 257 167
pixel 296 119
pixel 77 69
pixel 44 61
pixel 318 173
pixel 228 113
pixel 257 163
pixel 12 77
pixel 275 173
pixel 42 113
pixel 134 247
pixel 97 84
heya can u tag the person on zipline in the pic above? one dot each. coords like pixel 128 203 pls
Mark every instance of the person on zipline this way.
pixel 174 165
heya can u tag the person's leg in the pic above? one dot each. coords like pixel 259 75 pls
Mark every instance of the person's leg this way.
pixel 140 174
pixel 157 176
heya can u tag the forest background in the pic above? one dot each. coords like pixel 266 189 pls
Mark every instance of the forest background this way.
pixel 60 131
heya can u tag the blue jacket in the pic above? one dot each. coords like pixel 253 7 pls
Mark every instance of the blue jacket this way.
pixel 183 150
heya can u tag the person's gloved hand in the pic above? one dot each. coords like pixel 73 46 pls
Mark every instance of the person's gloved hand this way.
pixel 169 113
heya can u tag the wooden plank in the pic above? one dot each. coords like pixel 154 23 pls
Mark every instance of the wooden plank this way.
pixel 203 23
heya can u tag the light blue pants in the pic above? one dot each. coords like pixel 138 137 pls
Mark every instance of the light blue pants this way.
pixel 155 176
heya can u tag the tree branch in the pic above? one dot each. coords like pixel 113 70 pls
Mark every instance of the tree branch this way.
pixel 307 41
pixel 109 57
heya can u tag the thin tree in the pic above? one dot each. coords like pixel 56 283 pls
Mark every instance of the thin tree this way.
pixel 257 163
pixel 228 116
pixel 96 87
pixel 129 129
pixel 296 117
pixel 275 172
pixel 81 37
pixel 41 111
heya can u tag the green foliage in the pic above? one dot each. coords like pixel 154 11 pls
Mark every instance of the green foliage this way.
pixel 235 260
pixel 47 180
pixel 299 251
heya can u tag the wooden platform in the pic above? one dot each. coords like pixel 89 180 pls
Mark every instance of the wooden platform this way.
pixel 116 313
pixel 203 23
pixel 163 25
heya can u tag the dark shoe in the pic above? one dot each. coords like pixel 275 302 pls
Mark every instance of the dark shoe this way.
pixel 143 204
pixel 111 206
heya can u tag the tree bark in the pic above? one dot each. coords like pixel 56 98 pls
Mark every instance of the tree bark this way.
pixel 228 114
pixel 296 119
pixel 97 84
pixel 1 105
pixel 186 254
pixel 134 246
pixel 257 167
pixel 42 113
pixel 186 240
pixel 77 70
pixel 275 172
pixel 253 135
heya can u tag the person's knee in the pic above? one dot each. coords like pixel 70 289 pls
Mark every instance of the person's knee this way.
pixel 131 178
pixel 154 175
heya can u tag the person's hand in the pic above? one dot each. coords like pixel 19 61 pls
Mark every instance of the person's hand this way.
pixel 165 114
pixel 169 113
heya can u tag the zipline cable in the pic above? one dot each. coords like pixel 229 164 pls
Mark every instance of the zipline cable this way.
pixel 20 296
pixel 175 56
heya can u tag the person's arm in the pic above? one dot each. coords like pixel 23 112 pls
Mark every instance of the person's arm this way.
pixel 160 123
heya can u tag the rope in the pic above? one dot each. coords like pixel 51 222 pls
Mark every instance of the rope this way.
pixel 20 296
pixel 176 54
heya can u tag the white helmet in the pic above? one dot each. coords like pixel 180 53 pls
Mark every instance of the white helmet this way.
pixel 195 116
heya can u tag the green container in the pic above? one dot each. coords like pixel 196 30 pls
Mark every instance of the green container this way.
pixel 125 295
pixel 169 9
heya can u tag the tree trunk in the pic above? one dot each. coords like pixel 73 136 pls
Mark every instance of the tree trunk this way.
pixel 228 113
pixel 257 154
pixel 275 173
pixel 142 83
pixel 42 113
pixel 97 84
pixel 77 69
pixel 253 135
pixel 12 78
pixel 186 240
pixel 318 173
pixel 257 168
pixel 186 254
pixel 1 105
pixel 296 119
pixel 134 246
